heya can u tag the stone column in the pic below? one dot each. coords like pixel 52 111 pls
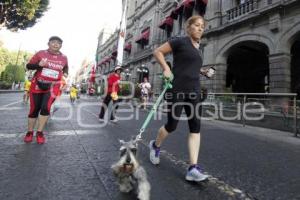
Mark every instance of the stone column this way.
pixel 220 77
pixel 157 81
pixel 280 72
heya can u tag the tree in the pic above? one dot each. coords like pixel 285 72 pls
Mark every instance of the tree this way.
pixel 21 14
pixel 13 73
pixel 7 57
pixel 12 66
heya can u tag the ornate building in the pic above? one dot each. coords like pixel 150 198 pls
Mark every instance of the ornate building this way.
pixel 253 44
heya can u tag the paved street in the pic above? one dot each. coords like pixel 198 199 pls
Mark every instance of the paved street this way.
pixel 243 162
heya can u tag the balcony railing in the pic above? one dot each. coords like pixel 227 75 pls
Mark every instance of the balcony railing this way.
pixel 242 9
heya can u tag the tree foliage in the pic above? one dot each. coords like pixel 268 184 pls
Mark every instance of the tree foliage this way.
pixel 21 14
pixel 14 73
pixel 12 65
pixel 8 57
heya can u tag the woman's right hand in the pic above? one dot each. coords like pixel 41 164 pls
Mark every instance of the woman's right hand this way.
pixel 167 73
pixel 43 62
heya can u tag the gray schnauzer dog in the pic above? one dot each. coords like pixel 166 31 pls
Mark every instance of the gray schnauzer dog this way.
pixel 130 174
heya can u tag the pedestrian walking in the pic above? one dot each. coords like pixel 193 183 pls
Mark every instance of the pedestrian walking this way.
pixel 26 90
pixel 185 94
pixel 50 65
pixel 112 94
pixel 145 92
pixel 73 93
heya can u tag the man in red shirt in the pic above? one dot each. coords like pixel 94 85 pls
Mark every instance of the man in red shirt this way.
pixel 51 66
pixel 112 91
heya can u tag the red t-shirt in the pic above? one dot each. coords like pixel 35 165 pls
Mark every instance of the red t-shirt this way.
pixel 113 83
pixel 52 72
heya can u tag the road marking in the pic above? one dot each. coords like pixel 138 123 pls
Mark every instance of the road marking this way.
pixel 215 182
pixel 11 108
pixel 11 104
pixel 95 115
pixel 220 185
pixel 7 135
pixel 56 133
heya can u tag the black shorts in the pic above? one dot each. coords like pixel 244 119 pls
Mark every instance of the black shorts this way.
pixel 40 103
pixel 193 110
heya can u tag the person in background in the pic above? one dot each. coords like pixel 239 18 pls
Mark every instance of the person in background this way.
pixel 145 92
pixel 26 90
pixel 73 93
pixel 185 94
pixel 112 94
pixel 50 65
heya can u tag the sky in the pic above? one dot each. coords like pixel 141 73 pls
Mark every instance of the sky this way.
pixel 77 22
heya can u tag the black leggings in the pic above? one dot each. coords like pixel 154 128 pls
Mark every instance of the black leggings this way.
pixel 192 106
pixel 106 102
pixel 40 103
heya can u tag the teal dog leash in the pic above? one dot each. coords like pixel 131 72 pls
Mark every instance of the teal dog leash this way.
pixel 167 85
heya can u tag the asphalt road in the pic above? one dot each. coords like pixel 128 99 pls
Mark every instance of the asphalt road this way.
pixel 243 162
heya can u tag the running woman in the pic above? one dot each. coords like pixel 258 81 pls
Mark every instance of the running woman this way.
pixel 50 65
pixel 185 94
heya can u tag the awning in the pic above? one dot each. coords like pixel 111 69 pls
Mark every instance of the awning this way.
pixel 168 22
pixel 107 60
pixel 174 14
pixel 188 3
pixel 128 47
pixel 144 37
pixel 102 62
pixel 201 6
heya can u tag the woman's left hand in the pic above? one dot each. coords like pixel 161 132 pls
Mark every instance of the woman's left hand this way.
pixel 203 71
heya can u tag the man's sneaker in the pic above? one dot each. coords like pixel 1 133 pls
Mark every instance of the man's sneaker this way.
pixel 114 120
pixel 194 173
pixel 101 120
pixel 28 137
pixel 154 153
pixel 40 139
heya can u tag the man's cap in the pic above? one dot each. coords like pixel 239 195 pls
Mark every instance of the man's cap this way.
pixel 118 68
pixel 55 38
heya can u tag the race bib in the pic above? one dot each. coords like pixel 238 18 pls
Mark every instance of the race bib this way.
pixel 50 73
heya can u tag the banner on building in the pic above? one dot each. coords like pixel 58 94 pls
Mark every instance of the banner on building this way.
pixel 122 35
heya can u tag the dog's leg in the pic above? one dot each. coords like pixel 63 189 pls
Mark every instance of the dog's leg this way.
pixel 125 184
pixel 144 187
pixel 123 179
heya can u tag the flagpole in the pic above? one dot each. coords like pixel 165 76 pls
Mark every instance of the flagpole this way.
pixel 122 35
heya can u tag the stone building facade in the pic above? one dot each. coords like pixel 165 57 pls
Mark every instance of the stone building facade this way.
pixel 253 44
